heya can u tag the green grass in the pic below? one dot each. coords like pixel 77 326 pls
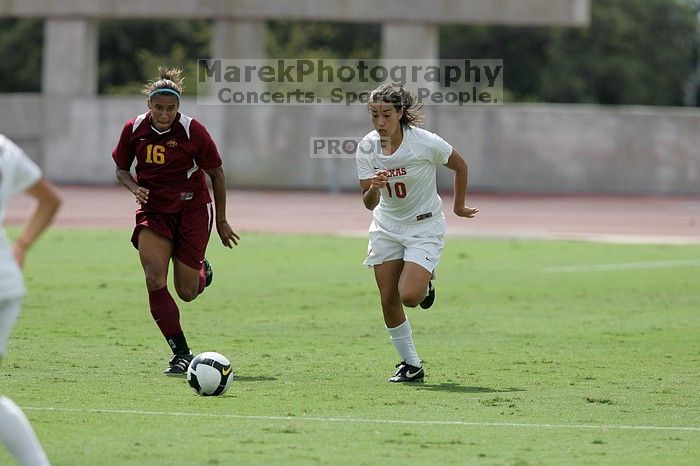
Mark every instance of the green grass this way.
pixel 521 359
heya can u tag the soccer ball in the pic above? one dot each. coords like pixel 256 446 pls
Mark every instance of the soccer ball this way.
pixel 210 374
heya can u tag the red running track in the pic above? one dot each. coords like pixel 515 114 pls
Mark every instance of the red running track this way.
pixel 633 219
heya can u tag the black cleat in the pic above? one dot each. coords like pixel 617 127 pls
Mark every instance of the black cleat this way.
pixel 429 298
pixel 408 373
pixel 208 272
pixel 178 365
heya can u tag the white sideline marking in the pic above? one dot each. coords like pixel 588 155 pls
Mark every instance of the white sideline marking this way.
pixel 366 421
pixel 624 266
pixel 535 235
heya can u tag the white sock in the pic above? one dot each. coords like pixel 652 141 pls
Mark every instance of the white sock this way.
pixel 17 434
pixel 402 338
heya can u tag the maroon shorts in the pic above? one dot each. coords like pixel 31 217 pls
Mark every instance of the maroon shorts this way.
pixel 189 230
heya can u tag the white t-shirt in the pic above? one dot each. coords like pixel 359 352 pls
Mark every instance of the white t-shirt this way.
pixel 17 174
pixel 411 194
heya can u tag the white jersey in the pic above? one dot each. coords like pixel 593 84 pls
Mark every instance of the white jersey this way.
pixel 17 174
pixel 411 193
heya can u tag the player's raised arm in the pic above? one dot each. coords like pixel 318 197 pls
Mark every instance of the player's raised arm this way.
pixel 228 237
pixel 457 164
pixel 48 203
pixel 371 189
pixel 127 180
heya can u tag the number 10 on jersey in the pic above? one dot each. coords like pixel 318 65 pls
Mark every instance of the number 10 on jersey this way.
pixel 399 189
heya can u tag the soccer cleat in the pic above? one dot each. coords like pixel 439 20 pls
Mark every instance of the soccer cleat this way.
pixel 408 373
pixel 429 298
pixel 178 365
pixel 208 273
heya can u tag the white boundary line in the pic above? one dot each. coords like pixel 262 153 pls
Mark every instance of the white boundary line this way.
pixel 366 421
pixel 624 266
pixel 533 235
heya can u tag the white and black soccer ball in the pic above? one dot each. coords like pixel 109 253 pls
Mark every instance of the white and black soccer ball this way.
pixel 210 374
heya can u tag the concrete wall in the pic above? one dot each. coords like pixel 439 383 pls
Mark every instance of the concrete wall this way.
pixel 579 148
pixel 21 120
pixel 538 148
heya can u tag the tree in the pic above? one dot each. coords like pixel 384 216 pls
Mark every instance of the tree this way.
pixel 286 39
pixel 634 52
pixel 20 49
pixel 131 51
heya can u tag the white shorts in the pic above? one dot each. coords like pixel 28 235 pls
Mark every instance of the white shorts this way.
pixel 421 243
pixel 9 311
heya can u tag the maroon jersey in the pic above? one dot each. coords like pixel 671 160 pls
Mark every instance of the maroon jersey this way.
pixel 168 164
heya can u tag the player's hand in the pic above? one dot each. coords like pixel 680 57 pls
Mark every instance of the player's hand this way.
pixel 380 179
pixel 465 211
pixel 141 195
pixel 229 238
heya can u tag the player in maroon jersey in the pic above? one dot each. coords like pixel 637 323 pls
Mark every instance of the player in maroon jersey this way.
pixel 174 218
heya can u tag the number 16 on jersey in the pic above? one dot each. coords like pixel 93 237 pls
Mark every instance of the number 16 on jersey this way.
pixel 155 154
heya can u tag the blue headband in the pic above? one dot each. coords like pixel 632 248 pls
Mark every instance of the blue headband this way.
pixel 165 89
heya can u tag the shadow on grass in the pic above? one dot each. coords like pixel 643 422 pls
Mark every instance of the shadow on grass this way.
pixel 456 388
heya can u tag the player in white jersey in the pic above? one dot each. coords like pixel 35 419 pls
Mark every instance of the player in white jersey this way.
pixel 396 165
pixel 19 174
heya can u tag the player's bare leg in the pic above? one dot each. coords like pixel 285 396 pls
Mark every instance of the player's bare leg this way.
pixel 187 280
pixel 155 251
pixel 413 284
pixel 387 276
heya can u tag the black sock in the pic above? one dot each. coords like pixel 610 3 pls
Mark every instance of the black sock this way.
pixel 178 343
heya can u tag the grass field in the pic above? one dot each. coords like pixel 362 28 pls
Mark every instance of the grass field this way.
pixel 527 363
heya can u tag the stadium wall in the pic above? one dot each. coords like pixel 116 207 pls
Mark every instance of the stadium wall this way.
pixel 517 147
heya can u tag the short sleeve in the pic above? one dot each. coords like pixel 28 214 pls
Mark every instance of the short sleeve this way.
pixel 207 156
pixel 441 149
pixel 19 171
pixel 363 159
pixel 122 154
